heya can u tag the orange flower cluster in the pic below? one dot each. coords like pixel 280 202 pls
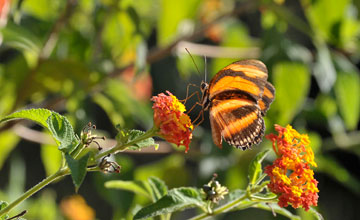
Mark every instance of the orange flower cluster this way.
pixel 290 175
pixel 75 208
pixel 174 125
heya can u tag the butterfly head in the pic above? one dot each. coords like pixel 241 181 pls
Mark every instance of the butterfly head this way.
pixel 205 101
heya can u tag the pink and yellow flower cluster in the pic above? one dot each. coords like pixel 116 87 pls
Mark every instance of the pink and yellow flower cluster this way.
pixel 169 116
pixel 290 175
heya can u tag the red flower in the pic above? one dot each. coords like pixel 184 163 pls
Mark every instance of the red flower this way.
pixel 174 125
pixel 290 174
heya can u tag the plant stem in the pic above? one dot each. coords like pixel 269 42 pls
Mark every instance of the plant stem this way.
pixel 34 189
pixel 222 208
pixel 146 135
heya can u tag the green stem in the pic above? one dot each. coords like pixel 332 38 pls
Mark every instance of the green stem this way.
pixel 146 135
pixel 34 189
pixel 258 181
pixel 221 209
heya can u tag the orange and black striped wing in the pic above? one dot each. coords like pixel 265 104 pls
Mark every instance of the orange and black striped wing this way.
pixel 238 121
pixel 247 77
pixel 267 98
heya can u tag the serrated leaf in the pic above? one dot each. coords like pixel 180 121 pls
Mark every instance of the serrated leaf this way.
pixel 158 188
pixel 346 88
pixel 63 132
pixel 77 169
pixel 3 204
pixel 59 127
pixel 255 169
pixel 176 200
pixel 38 115
pixel 136 187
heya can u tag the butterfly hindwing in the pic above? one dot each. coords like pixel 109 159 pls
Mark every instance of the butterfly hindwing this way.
pixel 267 98
pixel 238 121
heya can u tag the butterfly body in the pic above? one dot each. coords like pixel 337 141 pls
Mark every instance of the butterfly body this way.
pixel 237 98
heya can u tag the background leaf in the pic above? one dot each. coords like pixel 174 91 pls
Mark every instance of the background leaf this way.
pixel 292 83
pixel 51 158
pixel 7 144
pixel 136 187
pixel 171 21
pixel 347 85
pixel 158 188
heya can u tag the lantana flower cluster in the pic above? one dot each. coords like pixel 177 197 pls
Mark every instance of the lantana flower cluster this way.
pixel 170 118
pixel 290 175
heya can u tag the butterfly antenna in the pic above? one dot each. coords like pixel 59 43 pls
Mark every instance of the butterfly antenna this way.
pixel 205 68
pixel 193 60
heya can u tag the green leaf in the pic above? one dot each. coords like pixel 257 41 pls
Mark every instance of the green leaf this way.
pixel 20 38
pixel 316 214
pixel 58 125
pixel 63 132
pixel 123 109
pixel 326 27
pixel 324 70
pixel 158 188
pixel 126 136
pixel 3 204
pixel 347 88
pixel 176 200
pixel 277 209
pixel 77 169
pixel 255 170
pixel 292 83
pixel 43 9
pixel 51 158
pixel 8 141
pixel 38 115
pixel 172 21
pixel 136 187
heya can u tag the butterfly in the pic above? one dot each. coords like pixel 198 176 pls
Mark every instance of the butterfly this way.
pixel 237 98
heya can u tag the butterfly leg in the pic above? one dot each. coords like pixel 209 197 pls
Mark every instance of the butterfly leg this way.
pixel 197 118
pixel 192 108
pixel 187 93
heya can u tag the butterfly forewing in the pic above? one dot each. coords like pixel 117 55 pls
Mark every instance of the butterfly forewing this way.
pixel 247 76
pixel 239 96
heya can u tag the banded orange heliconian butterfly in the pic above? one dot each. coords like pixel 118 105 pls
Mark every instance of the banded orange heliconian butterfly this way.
pixel 237 98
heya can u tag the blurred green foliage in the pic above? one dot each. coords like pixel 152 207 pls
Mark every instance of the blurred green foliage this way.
pixel 102 60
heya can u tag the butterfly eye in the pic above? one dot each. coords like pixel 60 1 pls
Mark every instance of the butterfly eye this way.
pixel 203 86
